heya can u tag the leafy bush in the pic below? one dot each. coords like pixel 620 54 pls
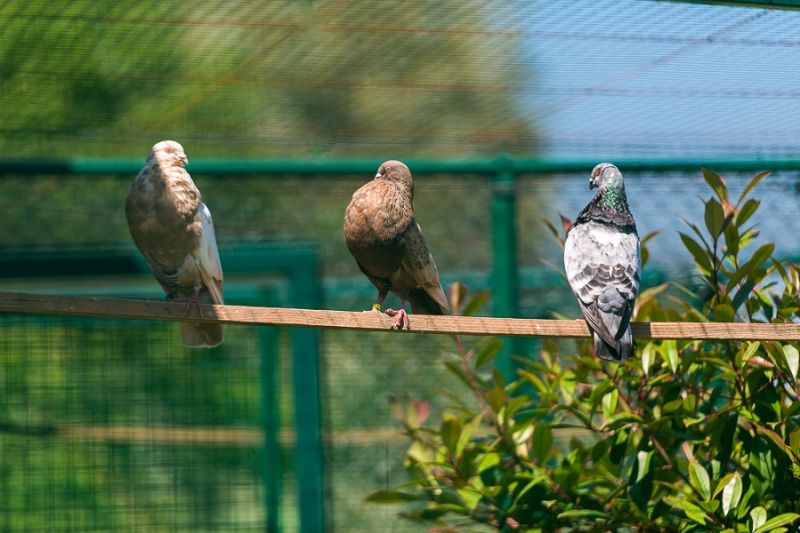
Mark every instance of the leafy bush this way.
pixel 689 435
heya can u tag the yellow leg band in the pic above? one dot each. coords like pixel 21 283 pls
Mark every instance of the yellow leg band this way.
pixel 376 306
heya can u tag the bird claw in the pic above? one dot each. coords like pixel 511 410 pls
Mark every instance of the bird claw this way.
pixel 193 301
pixel 402 319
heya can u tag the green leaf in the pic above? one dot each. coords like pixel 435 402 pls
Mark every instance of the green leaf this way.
pixel 489 460
pixel 599 391
pixel 669 349
pixel 476 302
pixel 610 403
pixel 692 511
pixel 488 352
pixel 776 439
pixel 749 187
pixel 778 521
pixel 699 479
pixel 689 404
pixel 758 258
pixel 621 420
pixel 466 433
pixel 792 358
pixel 758 515
pixel 542 441
pixel 723 313
pixel 717 183
pixel 567 386
pixel 450 432
pixel 714 217
pixel 540 386
pixel 736 277
pixel 642 464
pixel 648 357
pixel 794 441
pixel 731 494
pixel 743 293
pixel 582 513
pixel 392 496
pixel 699 254
pixel 744 355
pixel 470 497
pixel 722 482
pixel 747 210
pixel 497 399
pixel 672 406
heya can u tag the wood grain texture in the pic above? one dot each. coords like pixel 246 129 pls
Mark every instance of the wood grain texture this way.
pixel 12 302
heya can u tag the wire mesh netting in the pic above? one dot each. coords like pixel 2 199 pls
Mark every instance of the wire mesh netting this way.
pixel 112 425
pixel 106 426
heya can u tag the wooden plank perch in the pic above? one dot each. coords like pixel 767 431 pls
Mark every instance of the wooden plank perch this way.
pixel 312 318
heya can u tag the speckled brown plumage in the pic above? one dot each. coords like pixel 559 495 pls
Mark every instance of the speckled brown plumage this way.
pixel 387 243
pixel 173 229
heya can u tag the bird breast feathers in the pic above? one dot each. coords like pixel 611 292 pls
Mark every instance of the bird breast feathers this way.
pixel 378 212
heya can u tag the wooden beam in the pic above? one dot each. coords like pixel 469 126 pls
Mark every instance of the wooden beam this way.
pixel 312 318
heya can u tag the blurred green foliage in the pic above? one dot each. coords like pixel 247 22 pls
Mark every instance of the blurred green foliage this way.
pixel 277 79
pixel 689 436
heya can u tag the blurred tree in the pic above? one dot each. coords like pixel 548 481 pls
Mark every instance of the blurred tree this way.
pixel 267 78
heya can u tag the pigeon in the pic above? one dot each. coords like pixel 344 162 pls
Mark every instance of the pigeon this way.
pixel 173 229
pixel 388 245
pixel 602 260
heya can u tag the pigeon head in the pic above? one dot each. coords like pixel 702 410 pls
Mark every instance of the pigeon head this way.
pixel 605 175
pixel 395 171
pixel 169 153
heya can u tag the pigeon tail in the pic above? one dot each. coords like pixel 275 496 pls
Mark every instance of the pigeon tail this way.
pixel 207 335
pixel 422 303
pixel 620 351
pixel 202 334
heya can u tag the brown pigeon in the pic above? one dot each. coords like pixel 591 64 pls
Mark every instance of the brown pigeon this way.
pixel 172 227
pixel 388 245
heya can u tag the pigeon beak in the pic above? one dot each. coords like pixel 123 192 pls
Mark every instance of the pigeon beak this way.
pixel 378 175
pixel 183 159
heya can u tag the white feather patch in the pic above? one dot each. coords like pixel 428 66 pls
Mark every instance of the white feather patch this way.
pixel 207 256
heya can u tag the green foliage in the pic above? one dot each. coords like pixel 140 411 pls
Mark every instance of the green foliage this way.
pixel 279 79
pixel 689 436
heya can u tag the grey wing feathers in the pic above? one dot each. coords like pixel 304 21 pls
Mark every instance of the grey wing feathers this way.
pixel 602 267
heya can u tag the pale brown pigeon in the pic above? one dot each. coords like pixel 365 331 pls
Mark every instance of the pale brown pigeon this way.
pixel 602 261
pixel 172 227
pixel 388 245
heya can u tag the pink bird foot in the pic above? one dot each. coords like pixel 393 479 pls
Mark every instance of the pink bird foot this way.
pixel 402 319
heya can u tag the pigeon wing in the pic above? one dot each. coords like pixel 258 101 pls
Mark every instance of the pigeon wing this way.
pixel 419 275
pixel 207 256
pixel 602 266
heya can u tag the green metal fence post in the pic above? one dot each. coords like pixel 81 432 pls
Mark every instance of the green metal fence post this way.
pixel 272 457
pixel 305 291
pixel 505 276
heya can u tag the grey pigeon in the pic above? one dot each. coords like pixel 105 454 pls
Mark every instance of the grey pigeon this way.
pixel 388 245
pixel 602 260
pixel 172 227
